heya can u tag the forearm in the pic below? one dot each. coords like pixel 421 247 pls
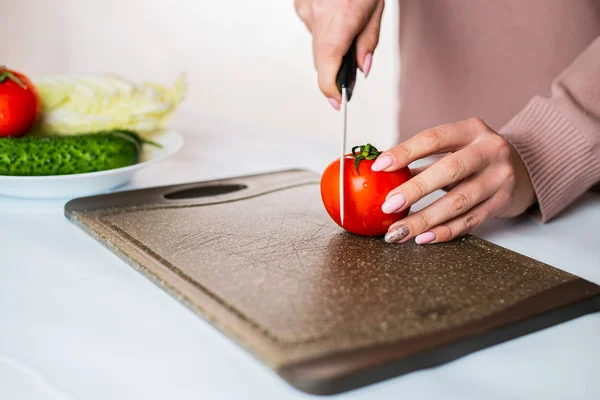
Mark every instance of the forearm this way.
pixel 558 137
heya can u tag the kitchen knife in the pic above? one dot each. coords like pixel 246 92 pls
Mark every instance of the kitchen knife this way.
pixel 346 79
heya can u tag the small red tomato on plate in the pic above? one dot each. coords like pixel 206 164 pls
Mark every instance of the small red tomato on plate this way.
pixel 364 192
pixel 19 103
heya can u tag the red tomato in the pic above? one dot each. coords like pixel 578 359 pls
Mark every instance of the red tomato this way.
pixel 19 103
pixel 364 193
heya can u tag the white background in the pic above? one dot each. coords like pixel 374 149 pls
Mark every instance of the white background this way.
pixel 245 60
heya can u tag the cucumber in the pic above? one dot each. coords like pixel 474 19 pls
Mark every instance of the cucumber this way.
pixel 65 155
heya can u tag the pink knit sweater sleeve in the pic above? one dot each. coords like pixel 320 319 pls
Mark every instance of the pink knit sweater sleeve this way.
pixel 558 137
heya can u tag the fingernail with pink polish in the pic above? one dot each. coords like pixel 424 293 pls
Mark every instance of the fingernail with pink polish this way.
pixel 367 64
pixel 334 103
pixel 425 238
pixel 382 163
pixel 394 203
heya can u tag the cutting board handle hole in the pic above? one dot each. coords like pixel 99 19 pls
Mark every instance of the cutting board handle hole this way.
pixel 204 191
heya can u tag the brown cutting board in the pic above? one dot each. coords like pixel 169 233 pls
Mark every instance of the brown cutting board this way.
pixel 329 311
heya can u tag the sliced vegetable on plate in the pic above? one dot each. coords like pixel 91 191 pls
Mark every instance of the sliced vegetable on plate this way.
pixel 73 104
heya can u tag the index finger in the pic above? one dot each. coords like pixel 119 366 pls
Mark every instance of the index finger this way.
pixel 440 139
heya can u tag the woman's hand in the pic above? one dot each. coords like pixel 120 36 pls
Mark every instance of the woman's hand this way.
pixel 486 176
pixel 334 25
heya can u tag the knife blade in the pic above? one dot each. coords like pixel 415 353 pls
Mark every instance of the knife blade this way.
pixel 345 80
pixel 343 151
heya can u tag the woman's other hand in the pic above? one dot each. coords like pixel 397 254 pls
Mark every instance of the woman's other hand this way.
pixel 334 25
pixel 484 172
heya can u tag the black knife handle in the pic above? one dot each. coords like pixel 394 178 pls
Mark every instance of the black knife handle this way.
pixel 346 77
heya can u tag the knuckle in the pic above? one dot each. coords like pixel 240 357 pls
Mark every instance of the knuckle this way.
pixel 460 203
pixel 326 9
pixel 433 137
pixel 420 188
pixel 507 175
pixel 477 123
pixel 318 7
pixel 424 222
pixel 471 221
pixel 302 8
pixel 501 147
pixel 403 151
pixel 456 167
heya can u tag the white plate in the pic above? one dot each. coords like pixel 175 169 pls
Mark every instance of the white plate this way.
pixel 69 186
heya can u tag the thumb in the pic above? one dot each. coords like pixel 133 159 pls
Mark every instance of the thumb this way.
pixel 368 39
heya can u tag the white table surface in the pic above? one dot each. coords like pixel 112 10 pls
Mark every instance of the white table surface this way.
pixel 78 323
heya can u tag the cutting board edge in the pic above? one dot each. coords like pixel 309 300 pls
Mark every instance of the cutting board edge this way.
pixel 345 371
pixel 155 195
pixel 229 324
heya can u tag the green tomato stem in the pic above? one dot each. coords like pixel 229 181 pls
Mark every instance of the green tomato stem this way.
pixel 365 152
pixel 6 74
